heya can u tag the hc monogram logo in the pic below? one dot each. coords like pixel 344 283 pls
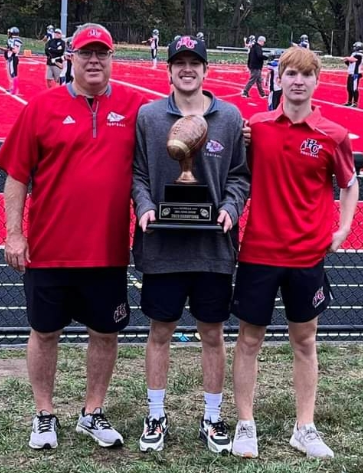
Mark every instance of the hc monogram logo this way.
pixel 310 147
pixel 94 33
pixel 187 42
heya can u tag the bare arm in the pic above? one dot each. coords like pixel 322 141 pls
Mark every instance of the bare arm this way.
pixel 348 203
pixel 16 245
pixel 350 59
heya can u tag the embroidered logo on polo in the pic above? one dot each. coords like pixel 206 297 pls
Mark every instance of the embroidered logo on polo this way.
pixel 115 119
pixel 319 297
pixel 213 149
pixel 214 146
pixel 68 120
pixel 310 147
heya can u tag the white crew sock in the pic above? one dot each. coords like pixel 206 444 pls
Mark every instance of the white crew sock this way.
pixel 155 398
pixel 213 404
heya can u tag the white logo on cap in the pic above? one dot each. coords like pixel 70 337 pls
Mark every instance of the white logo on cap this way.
pixel 187 42
pixel 94 33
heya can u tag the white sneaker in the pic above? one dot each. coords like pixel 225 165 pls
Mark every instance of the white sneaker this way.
pixel 245 440
pixel 44 432
pixel 215 435
pixel 154 433
pixel 307 439
pixel 98 427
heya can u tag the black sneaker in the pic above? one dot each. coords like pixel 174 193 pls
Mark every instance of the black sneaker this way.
pixel 347 104
pixel 215 435
pixel 153 436
pixel 245 95
pixel 354 105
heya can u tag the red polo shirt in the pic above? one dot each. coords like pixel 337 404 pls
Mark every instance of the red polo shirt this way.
pixel 291 212
pixel 80 158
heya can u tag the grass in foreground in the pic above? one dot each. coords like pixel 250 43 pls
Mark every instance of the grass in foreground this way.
pixel 338 415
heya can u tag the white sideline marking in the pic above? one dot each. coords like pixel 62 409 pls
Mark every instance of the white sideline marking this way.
pixel 337 105
pixel 15 97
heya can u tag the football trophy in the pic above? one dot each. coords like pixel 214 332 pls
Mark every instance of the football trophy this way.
pixel 187 203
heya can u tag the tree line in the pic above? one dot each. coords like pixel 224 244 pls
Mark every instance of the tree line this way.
pixel 332 25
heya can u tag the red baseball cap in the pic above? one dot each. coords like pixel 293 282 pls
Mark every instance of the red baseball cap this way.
pixel 92 35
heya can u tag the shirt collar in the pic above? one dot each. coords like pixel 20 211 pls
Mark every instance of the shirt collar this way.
pixel 311 120
pixel 73 93
pixel 174 110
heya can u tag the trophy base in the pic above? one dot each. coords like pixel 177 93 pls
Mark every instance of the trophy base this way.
pixel 186 207
pixel 185 212
pixel 185 226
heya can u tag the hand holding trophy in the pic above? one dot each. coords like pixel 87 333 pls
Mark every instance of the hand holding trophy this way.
pixel 187 202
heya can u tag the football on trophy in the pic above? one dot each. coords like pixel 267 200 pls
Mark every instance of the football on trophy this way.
pixel 186 137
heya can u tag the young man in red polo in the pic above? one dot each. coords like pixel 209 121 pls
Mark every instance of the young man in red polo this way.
pixel 294 154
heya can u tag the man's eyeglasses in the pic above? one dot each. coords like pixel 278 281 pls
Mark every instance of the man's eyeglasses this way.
pixel 87 54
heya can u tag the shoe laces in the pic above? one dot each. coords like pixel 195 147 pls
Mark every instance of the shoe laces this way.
pixel 153 426
pixel 45 423
pixel 100 421
pixel 245 431
pixel 220 427
pixel 311 434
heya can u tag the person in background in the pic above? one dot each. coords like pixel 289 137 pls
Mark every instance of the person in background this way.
pixel 303 42
pixel 255 65
pixel 294 153
pixel 272 80
pixel 54 50
pixel 5 50
pixel 354 63
pixel 250 41
pixel 14 45
pixel 153 42
pixel 49 34
pixel 66 74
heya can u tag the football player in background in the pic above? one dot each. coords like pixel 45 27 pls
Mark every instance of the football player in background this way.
pixel 354 63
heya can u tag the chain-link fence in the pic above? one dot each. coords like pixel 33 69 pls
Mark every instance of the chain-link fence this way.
pixel 343 320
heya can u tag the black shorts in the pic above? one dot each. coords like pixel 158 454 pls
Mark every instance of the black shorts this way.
pixel 163 296
pixel 94 297
pixel 305 292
